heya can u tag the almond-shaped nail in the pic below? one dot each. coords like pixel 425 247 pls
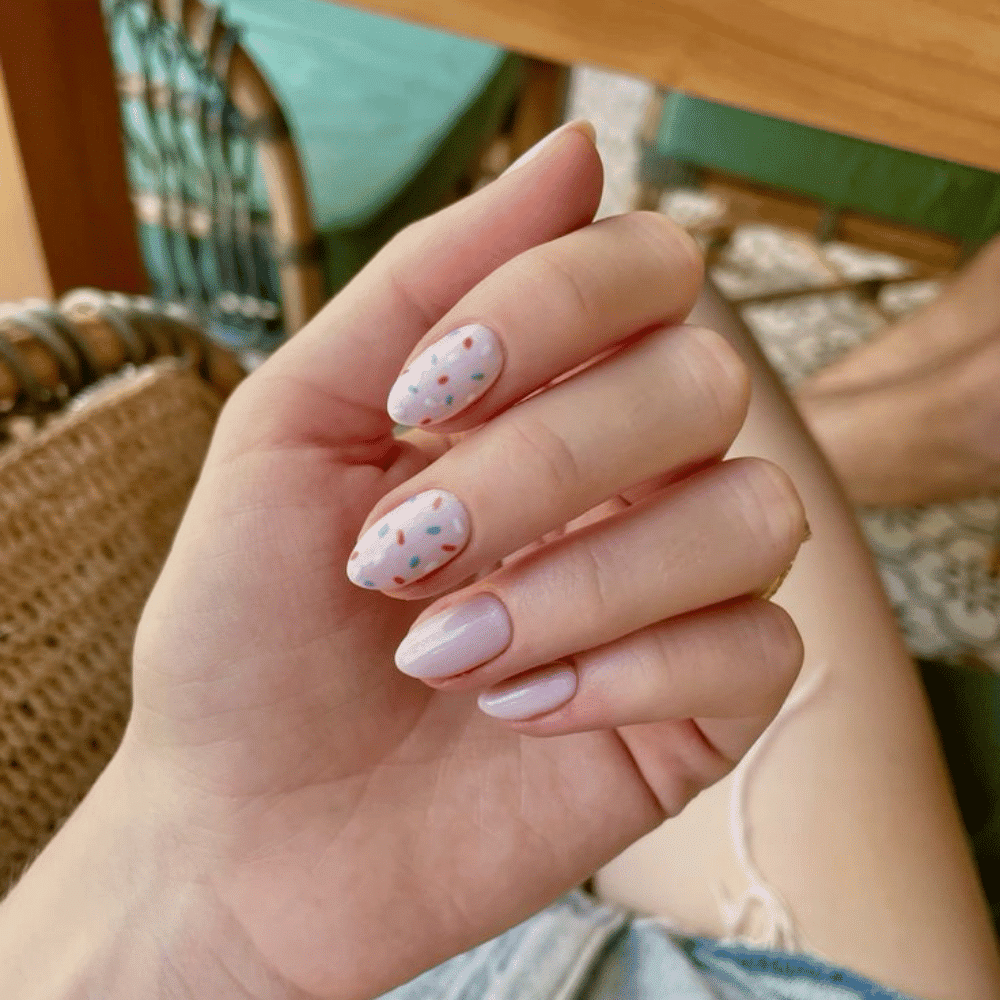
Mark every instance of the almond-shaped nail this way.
pixel 541 692
pixel 456 640
pixel 412 540
pixel 447 377
pixel 579 124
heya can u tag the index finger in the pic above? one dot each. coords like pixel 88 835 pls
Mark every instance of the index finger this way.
pixel 345 360
pixel 549 311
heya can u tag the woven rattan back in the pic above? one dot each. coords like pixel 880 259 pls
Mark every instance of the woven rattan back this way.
pixel 92 489
pixel 198 118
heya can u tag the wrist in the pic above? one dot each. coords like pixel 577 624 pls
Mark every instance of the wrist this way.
pixel 118 907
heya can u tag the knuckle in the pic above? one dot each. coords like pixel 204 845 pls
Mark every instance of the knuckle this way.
pixel 780 652
pixel 590 579
pixel 657 659
pixel 549 460
pixel 239 425
pixel 721 378
pixel 770 505
pixel 548 278
pixel 407 238
pixel 407 295
pixel 677 249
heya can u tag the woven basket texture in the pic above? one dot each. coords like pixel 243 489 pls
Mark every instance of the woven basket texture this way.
pixel 88 508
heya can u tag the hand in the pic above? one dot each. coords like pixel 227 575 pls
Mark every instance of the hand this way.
pixel 359 825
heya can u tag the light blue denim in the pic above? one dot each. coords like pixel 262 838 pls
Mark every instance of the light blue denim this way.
pixel 579 949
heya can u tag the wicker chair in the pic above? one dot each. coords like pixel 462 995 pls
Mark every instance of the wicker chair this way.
pixel 111 403
pixel 390 123
pixel 196 114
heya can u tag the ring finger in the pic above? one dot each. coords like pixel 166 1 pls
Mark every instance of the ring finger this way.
pixel 722 534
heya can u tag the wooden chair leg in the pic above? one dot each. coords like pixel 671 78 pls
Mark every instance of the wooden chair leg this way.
pixel 540 107
pixel 646 197
pixel 650 126
pixel 542 104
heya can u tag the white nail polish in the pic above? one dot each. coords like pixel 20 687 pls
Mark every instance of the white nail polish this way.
pixel 412 540
pixel 541 692
pixel 447 377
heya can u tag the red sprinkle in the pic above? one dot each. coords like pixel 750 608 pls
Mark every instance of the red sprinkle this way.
pixel 426 420
pixel 354 555
pixel 449 548
pixel 400 537
pixel 442 380
pixel 467 343
pixel 436 504
pixel 399 579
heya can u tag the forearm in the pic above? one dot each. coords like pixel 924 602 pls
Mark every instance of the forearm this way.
pixel 112 910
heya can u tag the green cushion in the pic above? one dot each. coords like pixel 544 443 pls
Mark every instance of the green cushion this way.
pixel 386 115
pixel 847 173
pixel 966 705
pixel 387 118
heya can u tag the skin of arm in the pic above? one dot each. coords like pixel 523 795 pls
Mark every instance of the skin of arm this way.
pixel 116 907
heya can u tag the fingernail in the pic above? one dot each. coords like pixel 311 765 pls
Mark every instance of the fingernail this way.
pixel 578 124
pixel 447 377
pixel 775 585
pixel 412 540
pixel 456 640
pixel 542 692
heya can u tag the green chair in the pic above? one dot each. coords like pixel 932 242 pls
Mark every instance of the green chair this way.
pixel 388 116
pixel 388 121
pixel 689 138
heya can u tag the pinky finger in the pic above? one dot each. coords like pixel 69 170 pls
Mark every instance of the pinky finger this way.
pixel 733 664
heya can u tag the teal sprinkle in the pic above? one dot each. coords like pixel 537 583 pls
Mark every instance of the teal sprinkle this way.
pixel 448 399
pixel 368 583
pixel 435 530
pixel 478 376
pixel 383 531
pixel 434 359
pixel 414 389
pixel 414 561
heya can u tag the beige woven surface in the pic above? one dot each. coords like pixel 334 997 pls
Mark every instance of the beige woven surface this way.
pixel 88 508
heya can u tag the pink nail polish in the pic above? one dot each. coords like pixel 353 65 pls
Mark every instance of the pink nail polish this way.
pixel 456 640
pixel 447 377
pixel 541 692
pixel 412 540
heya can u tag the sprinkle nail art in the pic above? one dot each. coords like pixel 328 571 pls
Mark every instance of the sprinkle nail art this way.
pixel 412 540
pixel 448 376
